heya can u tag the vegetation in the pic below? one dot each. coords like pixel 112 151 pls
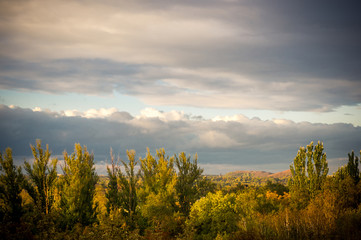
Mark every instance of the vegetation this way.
pixel 163 197
pixel 77 188
pixel 41 177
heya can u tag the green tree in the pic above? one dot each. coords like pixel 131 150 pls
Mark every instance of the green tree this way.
pixel 78 187
pixel 148 171
pixel 157 174
pixel 213 215
pixel 352 168
pixel 42 175
pixel 317 166
pixel 158 192
pixel 308 171
pixel 112 193
pixel 128 188
pixel 188 179
pixel 11 182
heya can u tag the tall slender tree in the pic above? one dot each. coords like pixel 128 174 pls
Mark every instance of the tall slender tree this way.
pixel 148 167
pixel 352 167
pixel 317 166
pixel 42 175
pixel 189 176
pixel 77 188
pixel 159 195
pixel 309 170
pixel 128 188
pixel 11 182
pixel 112 193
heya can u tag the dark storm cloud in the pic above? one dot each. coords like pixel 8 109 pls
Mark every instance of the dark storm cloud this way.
pixel 240 142
pixel 66 75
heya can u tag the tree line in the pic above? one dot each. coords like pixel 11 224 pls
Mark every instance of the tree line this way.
pixel 168 197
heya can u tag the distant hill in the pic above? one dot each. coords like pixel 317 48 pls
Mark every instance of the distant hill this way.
pixel 260 174
pixel 283 174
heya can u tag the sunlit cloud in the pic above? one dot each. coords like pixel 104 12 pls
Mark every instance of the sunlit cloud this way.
pixel 238 141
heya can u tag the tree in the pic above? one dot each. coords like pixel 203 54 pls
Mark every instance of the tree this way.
pixel 158 192
pixel 352 167
pixel 189 175
pixel 213 215
pixel 128 188
pixel 78 187
pixel 42 175
pixel 157 175
pixel 11 182
pixel 112 194
pixel 315 165
pixel 148 171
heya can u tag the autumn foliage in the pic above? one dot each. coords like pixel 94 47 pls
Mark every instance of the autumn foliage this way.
pixel 168 197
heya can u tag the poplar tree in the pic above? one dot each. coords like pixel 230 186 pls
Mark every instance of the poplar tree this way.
pixel 159 195
pixel 148 167
pixel 11 182
pixel 78 187
pixel 42 175
pixel 112 193
pixel 309 170
pixel 317 166
pixel 188 179
pixel 157 174
pixel 352 168
pixel 128 188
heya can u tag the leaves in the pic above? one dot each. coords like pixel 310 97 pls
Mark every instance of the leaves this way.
pixel 309 170
pixel 11 184
pixel 42 176
pixel 77 187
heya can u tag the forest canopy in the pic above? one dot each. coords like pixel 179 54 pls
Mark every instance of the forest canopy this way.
pixel 168 197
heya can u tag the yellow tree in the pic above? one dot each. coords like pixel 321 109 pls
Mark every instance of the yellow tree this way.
pixel 128 188
pixel 77 188
pixel 42 175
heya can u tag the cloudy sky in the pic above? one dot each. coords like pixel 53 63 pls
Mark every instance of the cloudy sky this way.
pixel 242 83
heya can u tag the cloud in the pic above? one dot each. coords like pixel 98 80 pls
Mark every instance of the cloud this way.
pixel 163 116
pixel 223 54
pixel 238 140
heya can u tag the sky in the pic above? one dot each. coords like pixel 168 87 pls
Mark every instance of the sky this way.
pixel 244 84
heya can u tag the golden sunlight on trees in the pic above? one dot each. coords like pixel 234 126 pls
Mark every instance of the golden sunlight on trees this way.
pixel 77 188
pixel 169 198
pixel 309 170
pixel 42 176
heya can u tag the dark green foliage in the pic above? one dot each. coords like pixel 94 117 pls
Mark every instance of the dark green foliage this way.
pixel 352 167
pixel 11 183
pixel 309 170
pixel 189 176
pixel 317 166
pixel 278 188
pixel 42 176
pixel 77 188
pixel 159 202
pixel 112 194
pixel 128 189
